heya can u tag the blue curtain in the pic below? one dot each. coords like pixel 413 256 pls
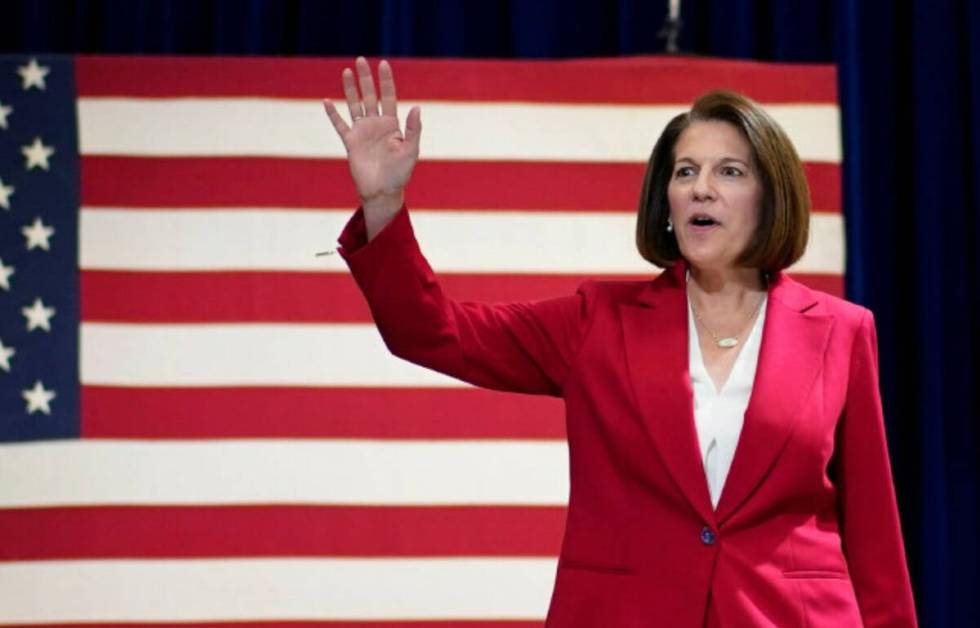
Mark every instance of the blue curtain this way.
pixel 910 95
pixel 910 85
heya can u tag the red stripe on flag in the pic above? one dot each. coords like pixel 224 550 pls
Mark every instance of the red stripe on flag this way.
pixel 280 182
pixel 167 297
pixel 212 297
pixel 228 297
pixel 824 180
pixel 679 79
pixel 203 532
pixel 831 284
pixel 295 412
pixel 187 182
pixel 449 623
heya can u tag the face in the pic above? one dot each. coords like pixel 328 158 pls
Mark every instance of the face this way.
pixel 714 194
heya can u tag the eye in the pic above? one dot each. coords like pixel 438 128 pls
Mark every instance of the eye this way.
pixel 683 171
pixel 731 171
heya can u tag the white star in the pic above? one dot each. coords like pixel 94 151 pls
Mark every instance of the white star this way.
pixel 37 235
pixel 5 354
pixel 36 155
pixel 38 315
pixel 38 398
pixel 32 75
pixel 5 273
pixel 4 112
pixel 6 191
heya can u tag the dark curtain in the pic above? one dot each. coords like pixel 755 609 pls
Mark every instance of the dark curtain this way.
pixel 909 76
pixel 910 84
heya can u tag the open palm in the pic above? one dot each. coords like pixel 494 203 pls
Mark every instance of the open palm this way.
pixel 380 156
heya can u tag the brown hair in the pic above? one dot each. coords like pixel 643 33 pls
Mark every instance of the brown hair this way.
pixel 784 218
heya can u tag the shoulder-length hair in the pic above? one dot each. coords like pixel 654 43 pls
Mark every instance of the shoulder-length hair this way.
pixel 784 217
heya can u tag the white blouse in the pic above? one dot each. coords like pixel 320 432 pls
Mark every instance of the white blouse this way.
pixel 719 415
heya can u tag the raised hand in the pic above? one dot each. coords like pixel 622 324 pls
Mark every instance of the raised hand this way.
pixel 380 156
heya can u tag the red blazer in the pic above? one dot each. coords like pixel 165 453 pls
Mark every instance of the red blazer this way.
pixel 806 532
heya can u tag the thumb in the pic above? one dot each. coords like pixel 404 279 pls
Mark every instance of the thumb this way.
pixel 413 127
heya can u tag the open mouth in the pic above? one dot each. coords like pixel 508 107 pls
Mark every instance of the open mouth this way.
pixel 703 220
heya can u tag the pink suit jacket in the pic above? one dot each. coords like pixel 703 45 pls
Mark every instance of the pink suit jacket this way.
pixel 806 532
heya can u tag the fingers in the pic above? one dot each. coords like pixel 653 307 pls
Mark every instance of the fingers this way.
pixel 338 123
pixel 413 127
pixel 359 92
pixel 350 93
pixel 366 83
pixel 386 81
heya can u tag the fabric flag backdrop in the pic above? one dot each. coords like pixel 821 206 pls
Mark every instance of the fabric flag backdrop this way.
pixel 200 422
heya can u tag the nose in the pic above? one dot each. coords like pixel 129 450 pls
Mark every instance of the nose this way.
pixel 703 188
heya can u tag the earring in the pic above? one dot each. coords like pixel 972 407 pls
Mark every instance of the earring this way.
pixel 670 225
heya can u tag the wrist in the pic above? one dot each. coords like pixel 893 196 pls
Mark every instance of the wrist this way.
pixel 386 203
pixel 379 210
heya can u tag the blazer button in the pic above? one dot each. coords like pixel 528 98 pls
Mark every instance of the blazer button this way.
pixel 708 536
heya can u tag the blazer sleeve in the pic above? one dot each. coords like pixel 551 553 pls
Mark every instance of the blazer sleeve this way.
pixel 870 527
pixel 520 347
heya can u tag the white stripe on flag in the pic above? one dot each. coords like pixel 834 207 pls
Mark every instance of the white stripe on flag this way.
pixel 341 472
pixel 462 241
pixel 275 589
pixel 261 354
pixel 453 130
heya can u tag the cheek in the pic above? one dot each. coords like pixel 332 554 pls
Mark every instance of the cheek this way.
pixel 673 197
pixel 750 203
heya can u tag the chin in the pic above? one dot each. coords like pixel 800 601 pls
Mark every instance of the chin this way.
pixel 706 262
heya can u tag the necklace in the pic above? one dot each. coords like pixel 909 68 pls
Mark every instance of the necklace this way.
pixel 730 341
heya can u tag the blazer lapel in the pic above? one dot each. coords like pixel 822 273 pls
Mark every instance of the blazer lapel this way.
pixel 793 344
pixel 655 332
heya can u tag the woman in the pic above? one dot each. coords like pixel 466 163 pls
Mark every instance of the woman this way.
pixel 668 523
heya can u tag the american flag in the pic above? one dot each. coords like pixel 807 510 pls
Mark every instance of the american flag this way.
pixel 198 421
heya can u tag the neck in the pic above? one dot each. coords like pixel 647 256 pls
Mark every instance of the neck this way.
pixel 725 288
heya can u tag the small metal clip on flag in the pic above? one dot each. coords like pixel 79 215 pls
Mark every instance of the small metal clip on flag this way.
pixel 323 253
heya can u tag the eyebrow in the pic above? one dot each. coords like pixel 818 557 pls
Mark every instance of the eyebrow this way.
pixel 722 160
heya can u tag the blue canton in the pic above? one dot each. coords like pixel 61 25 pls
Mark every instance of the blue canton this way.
pixel 39 200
